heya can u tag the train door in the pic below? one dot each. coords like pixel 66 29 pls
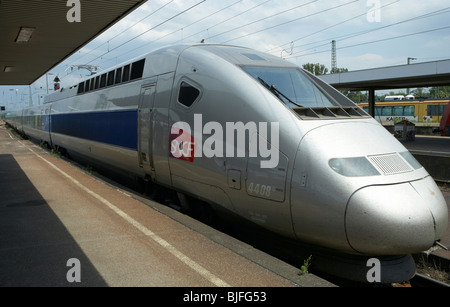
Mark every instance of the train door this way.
pixel 145 128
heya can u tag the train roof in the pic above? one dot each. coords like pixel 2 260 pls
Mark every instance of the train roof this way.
pixel 243 56
pixel 164 60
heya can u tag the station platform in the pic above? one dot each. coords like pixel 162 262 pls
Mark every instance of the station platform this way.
pixel 433 152
pixel 61 226
pixel 429 144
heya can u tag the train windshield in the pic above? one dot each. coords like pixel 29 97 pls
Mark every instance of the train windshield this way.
pixel 291 86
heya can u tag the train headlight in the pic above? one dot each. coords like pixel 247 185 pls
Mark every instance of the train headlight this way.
pixel 353 167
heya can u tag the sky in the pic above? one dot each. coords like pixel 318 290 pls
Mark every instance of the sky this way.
pixel 368 34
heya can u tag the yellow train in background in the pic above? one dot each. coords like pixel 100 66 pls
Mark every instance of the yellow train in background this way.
pixel 417 111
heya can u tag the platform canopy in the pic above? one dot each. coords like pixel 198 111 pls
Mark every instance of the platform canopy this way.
pixel 426 74
pixel 36 35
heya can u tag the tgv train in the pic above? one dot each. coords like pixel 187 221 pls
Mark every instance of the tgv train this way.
pixel 255 135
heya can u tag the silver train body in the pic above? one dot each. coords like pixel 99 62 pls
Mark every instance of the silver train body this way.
pixel 339 179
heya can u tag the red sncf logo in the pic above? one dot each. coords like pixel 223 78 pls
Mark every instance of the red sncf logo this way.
pixel 182 144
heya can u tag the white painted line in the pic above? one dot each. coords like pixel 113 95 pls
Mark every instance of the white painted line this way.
pixel 170 248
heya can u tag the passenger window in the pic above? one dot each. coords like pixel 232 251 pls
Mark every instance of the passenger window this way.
pixel 111 78
pixel 118 75
pixel 188 94
pixel 97 82
pixel 126 73
pixel 103 81
pixel 386 111
pixel 81 88
pixel 92 84
pixel 398 111
pixel 137 70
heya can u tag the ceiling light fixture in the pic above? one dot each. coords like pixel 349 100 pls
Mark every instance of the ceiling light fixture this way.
pixel 8 69
pixel 25 34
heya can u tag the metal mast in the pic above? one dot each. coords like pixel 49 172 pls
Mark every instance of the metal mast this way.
pixel 333 56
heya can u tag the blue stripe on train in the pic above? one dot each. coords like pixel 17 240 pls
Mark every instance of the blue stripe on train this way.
pixel 119 128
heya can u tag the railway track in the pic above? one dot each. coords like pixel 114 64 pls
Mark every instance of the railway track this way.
pixel 421 280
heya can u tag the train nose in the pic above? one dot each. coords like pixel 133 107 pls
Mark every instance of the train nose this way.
pixel 392 219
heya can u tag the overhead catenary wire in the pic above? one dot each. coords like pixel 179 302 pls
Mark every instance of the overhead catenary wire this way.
pixel 373 42
pixel 248 24
pixel 228 19
pixel 325 42
pixel 329 27
pixel 197 21
pixel 265 18
pixel 259 20
pixel 122 32
pixel 152 28
pixel 210 15
pixel 290 21
pixel 221 22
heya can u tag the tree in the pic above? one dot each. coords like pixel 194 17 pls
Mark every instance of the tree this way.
pixel 316 69
pixel 355 96
pixel 440 92
pixel 338 70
